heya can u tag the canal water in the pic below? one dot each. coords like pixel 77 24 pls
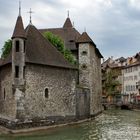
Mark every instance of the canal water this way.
pixel 110 125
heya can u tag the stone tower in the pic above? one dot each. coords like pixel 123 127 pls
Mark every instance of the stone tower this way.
pixel 90 70
pixel 18 62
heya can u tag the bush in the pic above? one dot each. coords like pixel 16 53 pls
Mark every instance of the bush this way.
pixel 59 44
pixel 55 40
pixel 6 48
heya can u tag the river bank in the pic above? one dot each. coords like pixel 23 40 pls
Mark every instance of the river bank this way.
pixel 111 124
pixel 29 128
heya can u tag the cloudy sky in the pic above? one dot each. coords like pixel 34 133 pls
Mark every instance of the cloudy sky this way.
pixel 114 25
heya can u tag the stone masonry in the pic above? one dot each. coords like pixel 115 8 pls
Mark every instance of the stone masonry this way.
pixel 90 75
pixel 61 85
pixel 37 82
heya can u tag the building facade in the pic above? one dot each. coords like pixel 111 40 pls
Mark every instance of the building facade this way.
pixel 37 82
pixel 131 77
pixel 127 73
pixel 112 80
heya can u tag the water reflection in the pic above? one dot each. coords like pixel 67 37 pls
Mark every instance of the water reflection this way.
pixel 111 125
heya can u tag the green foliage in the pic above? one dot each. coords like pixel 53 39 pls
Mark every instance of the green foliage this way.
pixel 111 84
pixel 59 44
pixel 6 48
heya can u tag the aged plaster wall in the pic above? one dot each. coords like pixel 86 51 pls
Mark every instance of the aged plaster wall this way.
pixel 90 76
pixel 7 101
pixel 61 84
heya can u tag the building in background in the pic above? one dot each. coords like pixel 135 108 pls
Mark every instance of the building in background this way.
pixel 121 76
pixel 130 80
pixel 112 79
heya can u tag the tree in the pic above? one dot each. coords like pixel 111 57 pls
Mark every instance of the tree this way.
pixel 55 40
pixel 111 84
pixel 6 48
pixel 59 44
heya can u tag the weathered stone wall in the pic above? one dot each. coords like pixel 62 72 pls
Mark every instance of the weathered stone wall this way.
pixel 18 59
pixel 90 75
pixel 84 65
pixel 95 78
pixel 82 102
pixel 61 84
pixel 7 101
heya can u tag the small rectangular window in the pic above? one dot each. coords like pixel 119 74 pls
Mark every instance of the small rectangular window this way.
pixel 17 46
pixel 16 71
pixel 46 93
pixel 24 46
pixel 4 94
pixel 24 72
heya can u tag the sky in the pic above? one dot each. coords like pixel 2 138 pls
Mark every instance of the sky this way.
pixel 113 25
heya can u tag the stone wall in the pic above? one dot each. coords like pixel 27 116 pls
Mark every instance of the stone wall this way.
pixel 18 59
pixel 7 101
pixel 95 78
pixel 90 75
pixel 84 65
pixel 61 84
pixel 82 102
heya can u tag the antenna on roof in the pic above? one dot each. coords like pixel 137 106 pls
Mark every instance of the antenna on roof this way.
pixel 68 13
pixel 30 12
pixel 19 8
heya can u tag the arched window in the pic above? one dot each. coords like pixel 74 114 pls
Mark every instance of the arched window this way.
pixel 46 93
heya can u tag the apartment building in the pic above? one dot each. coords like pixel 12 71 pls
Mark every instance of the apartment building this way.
pixel 131 81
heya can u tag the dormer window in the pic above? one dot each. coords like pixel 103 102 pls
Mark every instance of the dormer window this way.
pixel 17 46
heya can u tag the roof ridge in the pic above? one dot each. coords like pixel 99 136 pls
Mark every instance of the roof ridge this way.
pixel 50 28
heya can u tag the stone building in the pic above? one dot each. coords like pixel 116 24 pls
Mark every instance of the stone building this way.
pixel 37 82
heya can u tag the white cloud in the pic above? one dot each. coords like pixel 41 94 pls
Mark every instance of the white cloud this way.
pixel 113 24
pixel 135 4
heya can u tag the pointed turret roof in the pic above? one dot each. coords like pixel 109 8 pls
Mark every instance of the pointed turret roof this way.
pixel 19 29
pixel 67 23
pixel 84 38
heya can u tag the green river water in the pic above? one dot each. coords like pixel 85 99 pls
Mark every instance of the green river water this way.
pixel 110 125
